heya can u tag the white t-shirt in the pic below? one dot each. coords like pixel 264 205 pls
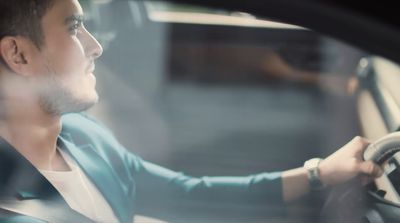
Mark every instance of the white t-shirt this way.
pixel 80 193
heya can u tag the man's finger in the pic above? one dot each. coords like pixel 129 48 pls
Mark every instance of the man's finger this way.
pixel 371 169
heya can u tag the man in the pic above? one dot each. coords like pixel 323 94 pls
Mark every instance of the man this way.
pixel 48 151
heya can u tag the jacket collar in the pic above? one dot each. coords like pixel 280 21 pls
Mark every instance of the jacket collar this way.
pixel 101 174
pixel 20 179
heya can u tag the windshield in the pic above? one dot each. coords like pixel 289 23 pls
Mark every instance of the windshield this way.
pixel 209 92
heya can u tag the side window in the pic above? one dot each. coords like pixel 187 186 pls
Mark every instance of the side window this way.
pixel 211 83
pixel 216 92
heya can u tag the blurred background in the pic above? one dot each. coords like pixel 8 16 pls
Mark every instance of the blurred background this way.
pixel 215 92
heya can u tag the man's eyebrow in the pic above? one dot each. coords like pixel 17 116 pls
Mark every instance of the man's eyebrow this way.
pixel 74 18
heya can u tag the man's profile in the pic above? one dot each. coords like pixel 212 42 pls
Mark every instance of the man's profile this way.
pixel 50 151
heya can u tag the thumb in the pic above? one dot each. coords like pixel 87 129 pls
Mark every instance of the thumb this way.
pixel 370 168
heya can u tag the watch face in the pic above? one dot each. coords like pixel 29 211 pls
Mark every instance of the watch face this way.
pixel 312 163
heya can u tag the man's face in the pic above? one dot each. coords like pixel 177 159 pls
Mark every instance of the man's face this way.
pixel 65 63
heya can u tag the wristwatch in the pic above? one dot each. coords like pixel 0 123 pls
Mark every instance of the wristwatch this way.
pixel 313 174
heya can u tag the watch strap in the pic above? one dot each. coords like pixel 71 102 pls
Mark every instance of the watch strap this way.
pixel 313 174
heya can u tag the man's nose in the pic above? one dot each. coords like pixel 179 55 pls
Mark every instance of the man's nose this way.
pixel 93 48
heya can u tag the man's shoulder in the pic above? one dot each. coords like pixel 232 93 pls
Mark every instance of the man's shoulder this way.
pixel 72 119
pixel 81 122
pixel 82 125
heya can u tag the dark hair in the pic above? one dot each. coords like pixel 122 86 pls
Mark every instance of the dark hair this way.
pixel 23 18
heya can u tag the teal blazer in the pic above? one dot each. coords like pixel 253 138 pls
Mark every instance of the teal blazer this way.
pixel 124 179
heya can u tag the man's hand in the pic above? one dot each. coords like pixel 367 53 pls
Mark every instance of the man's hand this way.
pixel 347 162
pixel 343 165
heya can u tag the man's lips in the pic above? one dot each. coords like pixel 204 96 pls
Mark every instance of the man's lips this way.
pixel 91 68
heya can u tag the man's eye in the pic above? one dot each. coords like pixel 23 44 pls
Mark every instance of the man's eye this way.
pixel 74 28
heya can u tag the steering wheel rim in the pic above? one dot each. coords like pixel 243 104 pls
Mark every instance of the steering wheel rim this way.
pixel 354 202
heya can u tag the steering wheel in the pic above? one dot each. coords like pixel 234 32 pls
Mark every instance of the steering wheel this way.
pixel 384 148
pixel 356 203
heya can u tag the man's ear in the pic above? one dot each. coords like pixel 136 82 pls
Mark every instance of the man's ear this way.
pixel 16 52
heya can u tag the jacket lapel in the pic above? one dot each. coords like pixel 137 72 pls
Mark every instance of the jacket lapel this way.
pixel 19 178
pixel 101 174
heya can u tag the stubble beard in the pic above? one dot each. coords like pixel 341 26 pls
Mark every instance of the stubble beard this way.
pixel 56 99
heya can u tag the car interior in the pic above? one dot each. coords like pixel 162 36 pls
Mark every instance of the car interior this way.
pixel 232 89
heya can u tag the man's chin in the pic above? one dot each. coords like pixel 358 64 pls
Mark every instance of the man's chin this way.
pixel 80 106
pixel 68 105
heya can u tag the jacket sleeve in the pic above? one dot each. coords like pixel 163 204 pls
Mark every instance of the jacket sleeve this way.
pixel 171 195
pixel 153 181
pixel 150 184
